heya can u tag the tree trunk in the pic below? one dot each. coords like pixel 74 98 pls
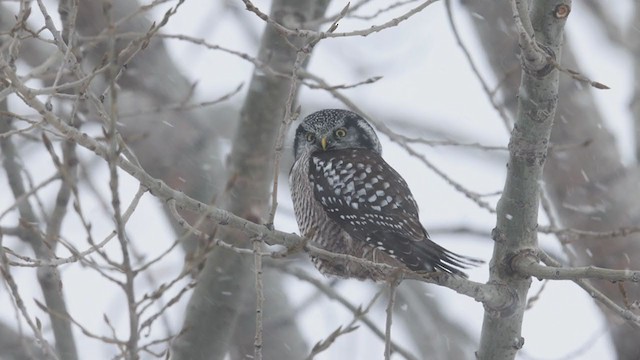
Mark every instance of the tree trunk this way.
pixel 227 278
pixel 588 185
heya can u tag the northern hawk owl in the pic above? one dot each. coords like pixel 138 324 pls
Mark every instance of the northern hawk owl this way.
pixel 348 200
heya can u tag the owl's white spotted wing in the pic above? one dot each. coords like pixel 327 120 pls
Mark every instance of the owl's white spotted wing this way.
pixel 369 200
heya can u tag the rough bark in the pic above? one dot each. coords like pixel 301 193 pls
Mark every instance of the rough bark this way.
pixel 588 185
pixel 517 211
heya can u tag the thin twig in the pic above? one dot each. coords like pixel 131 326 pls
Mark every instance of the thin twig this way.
pixel 531 301
pixel 576 75
pixel 393 286
pixel 112 156
pixel 148 322
pixel 49 352
pixel 257 258
pixel 332 294
pixel 185 224
pixel 381 11
pixel 626 314
pixel 31 262
pixel 508 122
pixel 290 114
pixel 321 35
pixel 434 143
pixel 397 138
pixel 527 264
pixel 359 312
pixel 23 197
pixel 621 232
pixel 533 56
pixel 182 106
pixel 492 295
pixel 28 129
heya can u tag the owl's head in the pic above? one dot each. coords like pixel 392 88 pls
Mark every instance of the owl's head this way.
pixel 334 129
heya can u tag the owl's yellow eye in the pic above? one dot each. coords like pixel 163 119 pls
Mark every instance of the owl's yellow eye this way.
pixel 341 132
pixel 311 137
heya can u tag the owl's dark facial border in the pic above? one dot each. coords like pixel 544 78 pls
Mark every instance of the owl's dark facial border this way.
pixel 300 141
pixel 360 134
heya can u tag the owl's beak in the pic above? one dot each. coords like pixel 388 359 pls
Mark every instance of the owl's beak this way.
pixel 323 142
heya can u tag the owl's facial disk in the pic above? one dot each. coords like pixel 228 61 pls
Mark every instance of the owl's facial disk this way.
pixel 333 130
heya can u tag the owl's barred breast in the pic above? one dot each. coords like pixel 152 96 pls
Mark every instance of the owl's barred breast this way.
pixel 325 233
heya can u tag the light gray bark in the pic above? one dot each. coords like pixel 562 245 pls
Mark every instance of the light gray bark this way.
pixel 610 190
pixel 517 211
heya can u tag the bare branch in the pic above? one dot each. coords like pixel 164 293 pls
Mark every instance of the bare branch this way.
pixel 476 198
pixel 257 249
pixel 291 114
pixel 358 314
pixel 329 34
pixel 492 295
pixel 517 212
pixel 48 277
pixel 48 351
pixel 332 294
pixel 630 316
pixel 393 286
pixel 508 122
pixel 527 264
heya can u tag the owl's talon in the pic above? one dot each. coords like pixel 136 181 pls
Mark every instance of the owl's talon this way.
pixel 298 247
pixel 395 277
